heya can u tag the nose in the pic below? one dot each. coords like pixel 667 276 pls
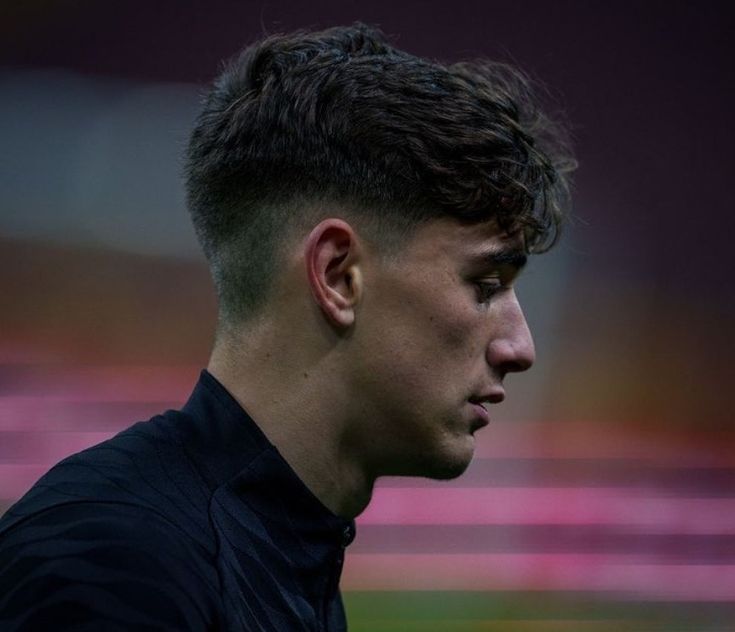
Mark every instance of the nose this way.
pixel 511 348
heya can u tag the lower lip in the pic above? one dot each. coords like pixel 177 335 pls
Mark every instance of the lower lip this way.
pixel 482 414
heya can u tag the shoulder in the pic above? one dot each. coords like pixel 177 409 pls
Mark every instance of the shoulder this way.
pixel 117 533
pixel 144 466
pixel 90 562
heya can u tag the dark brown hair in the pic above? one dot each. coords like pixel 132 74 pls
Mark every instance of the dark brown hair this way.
pixel 343 119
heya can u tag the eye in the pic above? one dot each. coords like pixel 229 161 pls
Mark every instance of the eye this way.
pixel 487 289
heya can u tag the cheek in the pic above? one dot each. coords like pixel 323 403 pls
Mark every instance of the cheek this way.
pixel 436 332
pixel 424 333
pixel 456 330
pixel 438 354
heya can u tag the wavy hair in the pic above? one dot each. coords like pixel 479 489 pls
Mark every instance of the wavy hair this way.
pixel 341 118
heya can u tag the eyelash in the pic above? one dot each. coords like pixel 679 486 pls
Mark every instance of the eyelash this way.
pixel 486 291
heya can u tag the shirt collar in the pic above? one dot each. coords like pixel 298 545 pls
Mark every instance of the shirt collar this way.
pixel 229 448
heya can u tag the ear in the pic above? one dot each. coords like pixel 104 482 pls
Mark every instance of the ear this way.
pixel 332 256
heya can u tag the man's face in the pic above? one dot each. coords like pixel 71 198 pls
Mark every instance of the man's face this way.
pixel 435 333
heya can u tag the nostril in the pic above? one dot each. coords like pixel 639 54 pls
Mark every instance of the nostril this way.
pixel 519 364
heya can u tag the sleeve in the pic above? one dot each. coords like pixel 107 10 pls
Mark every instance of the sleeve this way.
pixel 104 566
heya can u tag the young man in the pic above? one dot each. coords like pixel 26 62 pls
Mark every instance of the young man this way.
pixel 365 214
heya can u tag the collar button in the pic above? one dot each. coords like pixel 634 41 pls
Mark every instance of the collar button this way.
pixel 348 534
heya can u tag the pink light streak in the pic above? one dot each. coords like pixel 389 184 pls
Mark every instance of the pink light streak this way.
pixel 16 480
pixel 104 383
pixel 622 575
pixel 562 506
pixel 72 413
pixel 589 440
pixel 47 448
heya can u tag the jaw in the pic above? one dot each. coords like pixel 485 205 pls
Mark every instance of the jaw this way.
pixel 444 460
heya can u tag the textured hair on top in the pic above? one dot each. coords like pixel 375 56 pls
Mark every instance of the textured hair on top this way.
pixel 341 119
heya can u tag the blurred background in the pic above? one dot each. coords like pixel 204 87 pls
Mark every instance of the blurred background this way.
pixel 602 497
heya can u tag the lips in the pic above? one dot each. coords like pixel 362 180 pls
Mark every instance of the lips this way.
pixel 480 404
pixel 481 413
pixel 494 396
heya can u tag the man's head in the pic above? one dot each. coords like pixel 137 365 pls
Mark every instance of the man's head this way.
pixel 395 196
pixel 303 124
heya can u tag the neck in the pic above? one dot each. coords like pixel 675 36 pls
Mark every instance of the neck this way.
pixel 298 408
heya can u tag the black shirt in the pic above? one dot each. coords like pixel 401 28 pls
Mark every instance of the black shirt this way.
pixel 189 521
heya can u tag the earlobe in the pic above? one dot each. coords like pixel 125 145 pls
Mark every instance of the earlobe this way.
pixel 332 266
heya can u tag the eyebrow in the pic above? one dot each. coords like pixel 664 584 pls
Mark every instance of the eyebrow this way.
pixel 514 258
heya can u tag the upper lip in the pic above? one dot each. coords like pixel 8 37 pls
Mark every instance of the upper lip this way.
pixel 494 396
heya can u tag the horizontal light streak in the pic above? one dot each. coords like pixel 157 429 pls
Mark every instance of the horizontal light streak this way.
pixel 16 480
pixel 669 548
pixel 599 440
pixel 99 383
pixel 500 625
pixel 74 413
pixel 39 448
pixel 629 473
pixel 623 575
pixel 83 404
pixel 625 514
pixel 30 435
pixel 53 384
pixel 581 506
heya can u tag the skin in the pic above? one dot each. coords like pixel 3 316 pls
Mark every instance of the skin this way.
pixel 361 366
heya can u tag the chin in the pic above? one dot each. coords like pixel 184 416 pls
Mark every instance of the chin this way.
pixel 446 466
pixel 448 471
pixel 442 459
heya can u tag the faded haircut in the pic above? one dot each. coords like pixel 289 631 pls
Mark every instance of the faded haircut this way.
pixel 340 119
